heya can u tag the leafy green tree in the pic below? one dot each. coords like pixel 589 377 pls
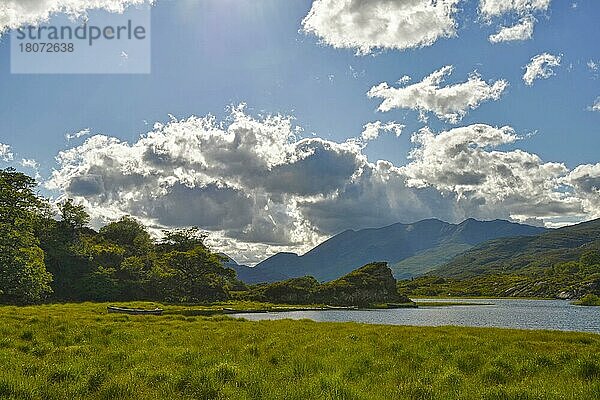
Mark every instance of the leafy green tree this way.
pixel 74 215
pixel 23 276
pixel 62 242
pixel 119 269
pixel 119 262
pixel 183 239
pixel 196 275
pixel 130 235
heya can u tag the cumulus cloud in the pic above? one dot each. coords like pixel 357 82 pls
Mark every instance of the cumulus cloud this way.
pixel 6 154
pixel 463 160
pixel 523 10
pixel 77 135
pixel 585 179
pixel 540 67
pixel 29 163
pixel 450 103
pixel 521 31
pixel 380 24
pixel 243 180
pixel 494 8
pixel 371 130
pixel 596 105
pixel 17 13
pixel 258 188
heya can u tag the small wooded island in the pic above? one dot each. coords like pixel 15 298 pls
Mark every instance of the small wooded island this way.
pixel 372 284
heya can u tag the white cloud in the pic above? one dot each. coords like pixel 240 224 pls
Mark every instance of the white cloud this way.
pixel 465 161
pixel 77 135
pixel 596 105
pixel 257 188
pixel 380 24
pixel 540 67
pixel 18 13
pixel 593 65
pixel 29 163
pixel 450 103
pixel 371 130
pixel 521 31
pixel 242 181
pixel 6 154
pixel 494 8
pixel 586 181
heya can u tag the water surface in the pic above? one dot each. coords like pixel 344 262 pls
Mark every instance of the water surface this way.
pixel 501 313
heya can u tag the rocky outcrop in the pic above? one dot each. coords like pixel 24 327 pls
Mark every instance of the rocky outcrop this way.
pixel 368 285
pixel 371 284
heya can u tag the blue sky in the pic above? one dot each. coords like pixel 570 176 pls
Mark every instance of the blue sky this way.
pixel 208 54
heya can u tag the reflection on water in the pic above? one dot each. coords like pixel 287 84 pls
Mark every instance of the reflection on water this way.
pixel 502 313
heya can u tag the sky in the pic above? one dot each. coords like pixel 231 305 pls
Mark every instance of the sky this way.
pixel 274 125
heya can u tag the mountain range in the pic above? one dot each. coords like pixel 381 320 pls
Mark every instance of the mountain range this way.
pixel 410 250
pixel 524 254
pixel 562 263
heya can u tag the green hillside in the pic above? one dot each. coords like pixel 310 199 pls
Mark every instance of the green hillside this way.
pixel 428 260
pixel 525 254
pixel 564 263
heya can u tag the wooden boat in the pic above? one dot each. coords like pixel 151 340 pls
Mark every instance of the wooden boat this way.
pixel 134 311
pixel 341 307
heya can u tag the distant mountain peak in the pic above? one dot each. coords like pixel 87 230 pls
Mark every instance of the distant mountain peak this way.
pixel 350 249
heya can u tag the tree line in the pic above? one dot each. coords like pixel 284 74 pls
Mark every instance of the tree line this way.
pixel 44 256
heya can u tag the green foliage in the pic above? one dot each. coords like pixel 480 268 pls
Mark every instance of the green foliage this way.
pixel 571 279
pixel 74 215
pixel 519 254
pixel 196 275
pixel 373 283
pixel 79 352
pixel 184 239
pixel 564 263
pixel 428 260
pixel 291 291
pixel 129 235
pixel 120 262
pixel 23 276
pixel 368 285
pixel 588 300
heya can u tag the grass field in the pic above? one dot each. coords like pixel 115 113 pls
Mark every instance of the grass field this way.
pixel 79 352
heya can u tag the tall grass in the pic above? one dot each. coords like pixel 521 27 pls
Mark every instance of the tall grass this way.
pixel 79 352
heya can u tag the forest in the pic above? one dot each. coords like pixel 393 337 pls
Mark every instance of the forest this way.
pixel 44 256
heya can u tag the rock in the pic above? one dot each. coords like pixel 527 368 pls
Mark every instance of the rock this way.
pixel 371 284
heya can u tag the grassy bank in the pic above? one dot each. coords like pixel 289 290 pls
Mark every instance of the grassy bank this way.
pixel 78 351
pixel 588 300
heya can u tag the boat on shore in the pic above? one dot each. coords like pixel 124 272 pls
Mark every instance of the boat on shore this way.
pixel 134 311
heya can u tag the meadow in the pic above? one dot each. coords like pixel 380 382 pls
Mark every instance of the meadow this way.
pixel 78 351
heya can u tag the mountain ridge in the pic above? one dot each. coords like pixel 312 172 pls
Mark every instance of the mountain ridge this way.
pixel 511 254
pixel 393 243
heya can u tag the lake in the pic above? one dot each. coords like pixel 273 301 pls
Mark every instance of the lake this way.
pixel 501 313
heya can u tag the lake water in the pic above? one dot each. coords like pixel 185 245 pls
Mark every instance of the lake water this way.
pixel 501 313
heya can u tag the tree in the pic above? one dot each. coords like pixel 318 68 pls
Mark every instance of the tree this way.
pixel 195 275
pixel 74 215
pixel 183 239
pixel 62 241
pixel 130 235
pixel 23 275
